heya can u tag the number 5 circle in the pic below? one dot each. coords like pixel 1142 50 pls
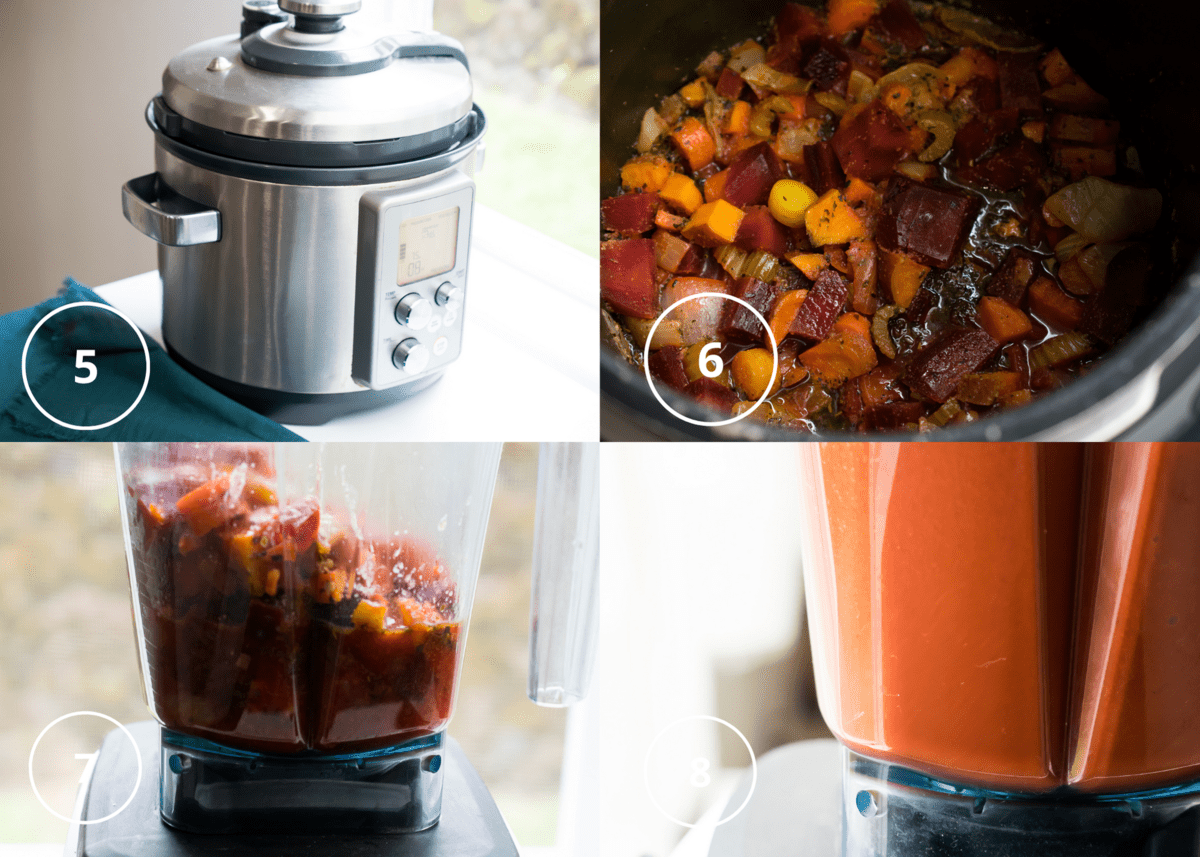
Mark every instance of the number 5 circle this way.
pixel 80 363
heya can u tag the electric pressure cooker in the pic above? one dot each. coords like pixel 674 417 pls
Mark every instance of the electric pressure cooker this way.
pixel 1145 389
pixel 312 203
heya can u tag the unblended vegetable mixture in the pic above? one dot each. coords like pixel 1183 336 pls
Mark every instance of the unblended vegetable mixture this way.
pixel 937 218
pixel 270 626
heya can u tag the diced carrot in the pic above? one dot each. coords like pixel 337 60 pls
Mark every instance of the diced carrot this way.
pixel 1054 306
pixel 209 506
pixel 664 219
pixel 878 386
pixel 902 275
pixel 986 388
pixel 714 223
pixel 649 174
pixel 831 220
pixel 1003 321
pixel 694 141
pixel 798 107
pixel 693 94
pixel 847 352
pixel 751 371
pixel 714 186
pixel 784 312
pixel 859 191
pixel 1080 161
pixel 680 192
pixel 810 264
pixel 738 120
pixel 1055 69
pixel 1075 95
pixel 1021 397
pixel 968 63
pixel 836 257
pixel 863 257
pixel 1084 129
pixel 1034 130
pixel 847 15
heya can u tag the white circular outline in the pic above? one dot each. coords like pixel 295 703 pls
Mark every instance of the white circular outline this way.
pixel 25 374
pixel 137 783
pixel 670 726
pixel 774 357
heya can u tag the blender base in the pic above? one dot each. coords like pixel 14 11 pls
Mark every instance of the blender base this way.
pixel 470 825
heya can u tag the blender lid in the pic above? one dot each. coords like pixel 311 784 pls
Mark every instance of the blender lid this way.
pixel 320 79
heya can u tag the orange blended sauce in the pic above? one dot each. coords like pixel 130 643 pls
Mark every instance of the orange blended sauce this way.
pixel 1011 616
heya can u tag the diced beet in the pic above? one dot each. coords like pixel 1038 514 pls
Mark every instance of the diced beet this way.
pixel 918 310
pixel 852 403
pixel 760 231
pixel 729 84
pixel 821 161
pixel 1110 313
pixel 829 67
pixel 630 214
pixel 666 365
pixel 1014 275
pixel 871 144
pixel 738 324
pixel 797 25
pixel 892 416
pixel 927 223
pixel 981 133
pixel 983 92
pixel 751 175
pixel 627 276
pixel 785 58
pixel 897 23
pixel 1019 87
pixel 1017 164
pixel 708 392
pixel 821 308
pixel 937 370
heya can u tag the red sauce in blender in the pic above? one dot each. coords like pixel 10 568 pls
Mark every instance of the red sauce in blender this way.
pixel 962 627
pixel 270 627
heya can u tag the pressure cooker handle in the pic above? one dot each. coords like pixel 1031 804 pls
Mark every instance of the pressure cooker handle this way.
pixel 166 216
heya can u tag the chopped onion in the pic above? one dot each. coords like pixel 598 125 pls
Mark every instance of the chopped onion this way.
pixel 930 87
pixel 916 171
pixel 861 89
pixel 672 108
pixel 831 102
pixel 941 126
pixel 1095 259
pixel 1069 246
pixel 762 75
pixel 653 127
pixel 880 332
pixel 1101 210
pixel 790 142
pixel 764 114
pixel 1059 350
pixel 745 55
pixel 667 332
pixel 983 31
pixel 669 250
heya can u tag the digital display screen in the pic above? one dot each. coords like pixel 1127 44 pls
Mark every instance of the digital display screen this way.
pixel 427 245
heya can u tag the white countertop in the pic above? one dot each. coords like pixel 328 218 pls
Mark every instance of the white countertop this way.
pixel 530 364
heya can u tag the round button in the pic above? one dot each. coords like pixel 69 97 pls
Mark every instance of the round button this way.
pixel 411 357
pixel 448 294
pixel 440 346
pixel 414 311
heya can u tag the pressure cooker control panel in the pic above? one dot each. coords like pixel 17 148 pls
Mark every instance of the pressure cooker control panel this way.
pixel 413 244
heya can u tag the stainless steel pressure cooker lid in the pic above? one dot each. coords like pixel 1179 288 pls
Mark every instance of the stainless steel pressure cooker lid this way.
pixel 317 78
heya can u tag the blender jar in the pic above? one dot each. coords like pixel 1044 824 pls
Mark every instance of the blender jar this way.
pixel 1004 640
pixel 301 611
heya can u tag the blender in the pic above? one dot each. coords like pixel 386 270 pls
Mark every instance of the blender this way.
pixel 301 614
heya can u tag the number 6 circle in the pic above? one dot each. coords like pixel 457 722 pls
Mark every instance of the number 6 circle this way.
pixel 78 359
pixel 708 359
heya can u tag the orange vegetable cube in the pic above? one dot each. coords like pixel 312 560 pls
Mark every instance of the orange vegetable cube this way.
pixel 846 353
pixel 1055 69
pixel 986 388
pixel 859 191
pixel 847 15
pixel 664 219
pixel 902 275
pixel 681 193
pixel 751 371
pixel 693 94
pixel 810 264
pixel 714 223
pixel 784 312
pixel 831 220
pixel 714 186
pixel 648 174
pixel 696 144
pixel 738 121
pixel 1054 306
pixel 968 63
pixel 1003 321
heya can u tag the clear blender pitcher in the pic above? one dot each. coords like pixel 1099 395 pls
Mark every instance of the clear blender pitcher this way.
pixel 1005 640
pixel 301 613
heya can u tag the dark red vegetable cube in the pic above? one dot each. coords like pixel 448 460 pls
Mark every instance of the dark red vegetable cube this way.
pixel 760 231
pixel 1014 275
pixel 927 223
pixel 710 393
pixel 751 175
pixel 821 308
pixel 828 67
pixel 1110 312
pixel 1019 87
pixel 630 214
pixel 938 369
pixel 821 163
pixel 871 143
pixel 666 365
pixel 893 416
pixel 981 133
pixel 797 25
pixel 627 276
pixel 738 324
pixel 897 23
pixel 729 84
pixel 1019 163
pixel 852 402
